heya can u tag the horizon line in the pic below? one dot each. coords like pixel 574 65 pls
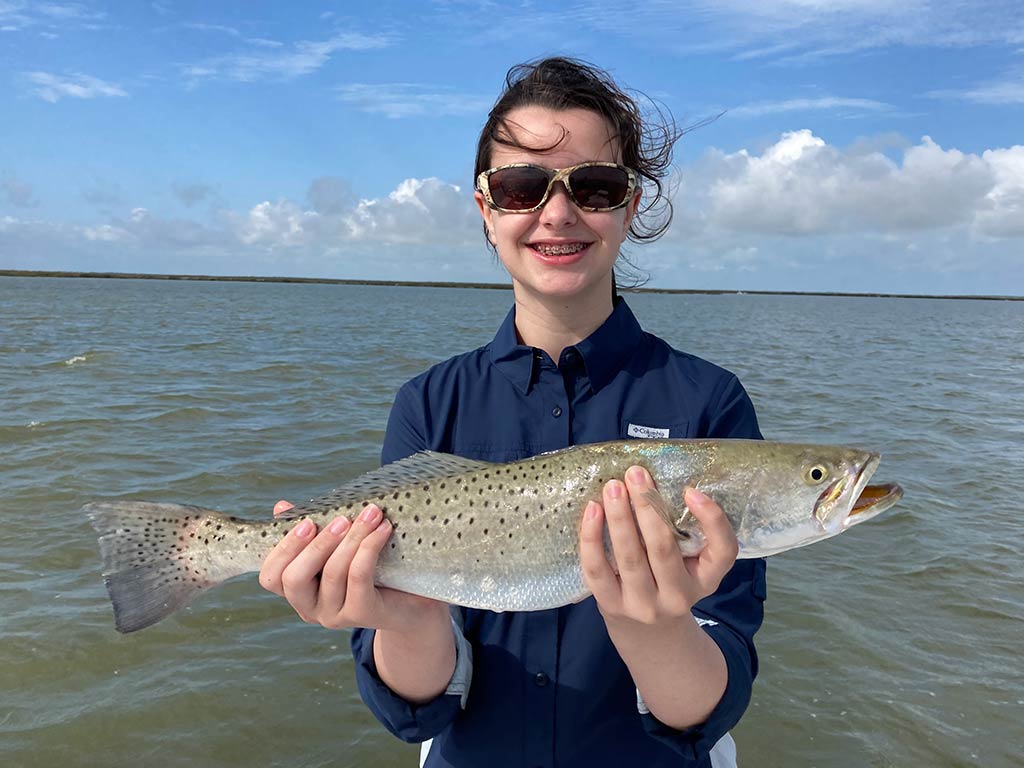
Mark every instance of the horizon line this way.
pixel 474 285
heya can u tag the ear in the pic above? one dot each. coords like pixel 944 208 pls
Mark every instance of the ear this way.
pixel 486 214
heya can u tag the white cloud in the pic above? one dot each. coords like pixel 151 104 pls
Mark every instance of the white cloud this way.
pixel 16 16
pixel 417 212
pixel 299 59
pixel 1009 91
pixel 397 100
pixel 822 103
pixel 232 32
pixel 793 31
pixel 106 233
pixel 801 186
pixel 52 88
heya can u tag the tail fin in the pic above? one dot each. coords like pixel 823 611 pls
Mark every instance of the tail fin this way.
pixel 152 564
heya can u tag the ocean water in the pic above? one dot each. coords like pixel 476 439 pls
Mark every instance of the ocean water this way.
pixel 897 644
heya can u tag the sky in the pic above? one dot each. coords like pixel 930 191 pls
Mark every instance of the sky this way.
pixel 863 145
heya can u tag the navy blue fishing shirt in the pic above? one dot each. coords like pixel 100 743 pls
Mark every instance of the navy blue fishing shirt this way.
pixel 548 688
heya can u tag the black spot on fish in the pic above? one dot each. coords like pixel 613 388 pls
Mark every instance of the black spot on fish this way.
pixel 501 520
pixel 415 518
pixel 485 531
pixel 419 541
pixel 442 486
pixel 487 504
pixel 433 517
pixel 408 495
pixel 458 535
pixel 428 501
pixel 403 534
pixel 395 496
pixel 263 534
pixel 445 521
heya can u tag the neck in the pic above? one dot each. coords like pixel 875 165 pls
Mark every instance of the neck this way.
pixel 553 324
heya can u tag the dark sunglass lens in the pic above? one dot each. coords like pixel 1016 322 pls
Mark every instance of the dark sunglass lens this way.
pixel 517 189
pixel 599 186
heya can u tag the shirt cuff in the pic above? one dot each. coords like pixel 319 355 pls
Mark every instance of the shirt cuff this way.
pixel 696 742
pixel 463 674
pixel 413 722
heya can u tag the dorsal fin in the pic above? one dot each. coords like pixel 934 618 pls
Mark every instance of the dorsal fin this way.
pixel 422 467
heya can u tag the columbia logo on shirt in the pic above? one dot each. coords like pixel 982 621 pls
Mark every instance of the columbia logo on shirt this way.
pixel 639 430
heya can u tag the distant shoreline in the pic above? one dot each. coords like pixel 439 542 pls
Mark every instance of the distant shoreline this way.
pixel 487 286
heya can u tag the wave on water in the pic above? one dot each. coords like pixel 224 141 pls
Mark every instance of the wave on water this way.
pixel 87 356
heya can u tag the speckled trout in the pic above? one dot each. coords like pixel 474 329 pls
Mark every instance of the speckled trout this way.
pixel 498 536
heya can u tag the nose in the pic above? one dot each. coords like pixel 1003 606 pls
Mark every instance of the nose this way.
pixel 559 210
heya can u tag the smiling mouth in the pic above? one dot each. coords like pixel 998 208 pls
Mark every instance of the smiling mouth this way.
pixel 563 249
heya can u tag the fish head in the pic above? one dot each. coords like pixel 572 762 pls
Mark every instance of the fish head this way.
pixel 799 494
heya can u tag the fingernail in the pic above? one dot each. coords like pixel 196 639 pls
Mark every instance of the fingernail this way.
pixel 305 529
pixel 370 514
pixel 695 494
pixel 615 489
pixel 591 511
pixel 339 526
pixel 638 475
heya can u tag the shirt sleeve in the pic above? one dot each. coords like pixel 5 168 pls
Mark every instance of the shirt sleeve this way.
pixel 732 614
pixel 405 436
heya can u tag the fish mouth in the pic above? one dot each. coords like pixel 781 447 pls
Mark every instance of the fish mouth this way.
pixel 872 500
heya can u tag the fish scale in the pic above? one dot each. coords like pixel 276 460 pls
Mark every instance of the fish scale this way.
pixel 493 536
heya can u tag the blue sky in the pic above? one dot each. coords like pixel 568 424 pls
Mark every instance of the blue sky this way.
pixel 866 145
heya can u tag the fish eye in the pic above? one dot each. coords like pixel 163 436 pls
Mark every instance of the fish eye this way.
pixel 816 474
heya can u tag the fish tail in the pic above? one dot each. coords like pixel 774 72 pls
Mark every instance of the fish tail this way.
pixel 153 560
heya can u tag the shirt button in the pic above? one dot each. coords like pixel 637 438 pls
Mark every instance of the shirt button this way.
pixel 540 679
pixel 556 411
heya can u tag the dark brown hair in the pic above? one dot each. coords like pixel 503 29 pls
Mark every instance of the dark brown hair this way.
pixel 562 83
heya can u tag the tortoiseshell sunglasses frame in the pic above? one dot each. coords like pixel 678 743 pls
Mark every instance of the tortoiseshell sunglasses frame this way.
pixel 556 175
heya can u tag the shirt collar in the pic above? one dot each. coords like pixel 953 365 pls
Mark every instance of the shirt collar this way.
pixel 605 352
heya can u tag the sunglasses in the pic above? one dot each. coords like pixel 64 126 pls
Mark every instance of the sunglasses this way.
pixel 524 188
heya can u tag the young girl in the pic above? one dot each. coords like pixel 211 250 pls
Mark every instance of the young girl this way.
pixel 656 667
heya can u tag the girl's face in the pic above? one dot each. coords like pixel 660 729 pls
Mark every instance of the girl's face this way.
pixel 558 252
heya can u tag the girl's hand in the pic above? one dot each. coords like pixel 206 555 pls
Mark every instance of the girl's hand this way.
pixel 327 576
pixel 652 583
